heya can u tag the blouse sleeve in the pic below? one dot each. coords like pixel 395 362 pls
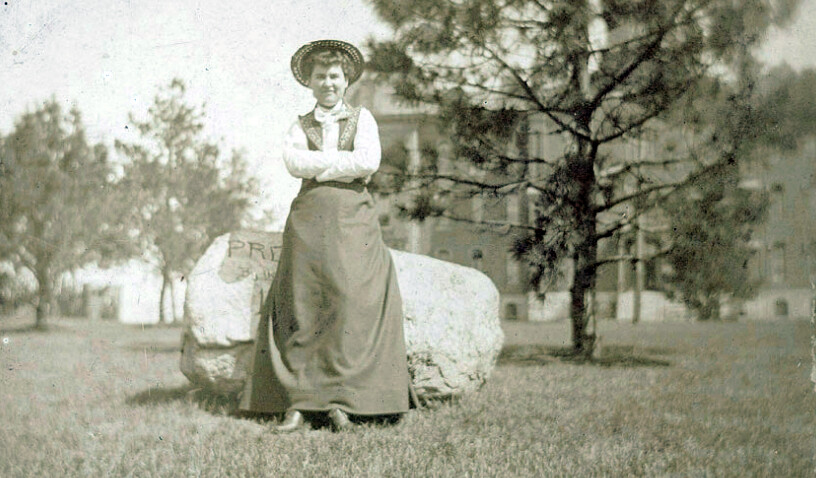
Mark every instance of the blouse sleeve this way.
pixel 299 161
pixel 334 165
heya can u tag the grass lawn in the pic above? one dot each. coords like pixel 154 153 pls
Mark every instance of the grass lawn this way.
pixel 719 399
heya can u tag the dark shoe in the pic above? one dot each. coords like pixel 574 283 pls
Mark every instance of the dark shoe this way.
pixel 291 422
pixel 339 420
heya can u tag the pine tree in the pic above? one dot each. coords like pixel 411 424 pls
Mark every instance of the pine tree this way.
pixel 710 250
pixel 597 75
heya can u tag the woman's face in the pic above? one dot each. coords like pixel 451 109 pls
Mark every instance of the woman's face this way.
pixel 328 84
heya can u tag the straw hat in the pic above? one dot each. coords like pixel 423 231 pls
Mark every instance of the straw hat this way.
pixel 351 52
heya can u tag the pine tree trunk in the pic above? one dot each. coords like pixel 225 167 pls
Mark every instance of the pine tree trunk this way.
pixel 584 257
pixel 585 253
pixel 582 340
pixel 578 317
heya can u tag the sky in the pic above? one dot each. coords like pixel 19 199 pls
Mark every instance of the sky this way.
pixel 108 57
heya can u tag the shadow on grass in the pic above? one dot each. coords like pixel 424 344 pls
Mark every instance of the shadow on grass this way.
pixel 529 355
pixel 658 350
pixel 207 401
pixel 608 356
pixel 433 403
pixel 161 395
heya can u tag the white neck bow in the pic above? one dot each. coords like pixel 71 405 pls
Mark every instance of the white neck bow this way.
pixel 324 115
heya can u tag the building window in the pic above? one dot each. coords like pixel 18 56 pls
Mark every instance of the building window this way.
pixel 533 208
pixel 477 207
pixel 511 312
pixel 756 264
pixel 778 263
pixel 444 165
pixel 477 257
pixel 443 254
pixel 443 224
pixel 777 200
pixel 652 279
pixel 513 208
pixel 781 307
pixel 495 208
pixel 535 146
pixel 512 266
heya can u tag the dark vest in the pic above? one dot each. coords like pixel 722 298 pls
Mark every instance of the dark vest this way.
pixel 314 137
pixel 314 131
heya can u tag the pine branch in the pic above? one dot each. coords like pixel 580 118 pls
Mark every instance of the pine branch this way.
pixel 631 126
pixel 503 227
pixel 629 166
pixel 534 98
pixel 638 194
pixel 495 187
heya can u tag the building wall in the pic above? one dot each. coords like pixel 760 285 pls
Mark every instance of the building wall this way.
pixel 778 304
pixel 786 243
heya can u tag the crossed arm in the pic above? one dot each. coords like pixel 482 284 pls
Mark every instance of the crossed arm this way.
pixel 331 164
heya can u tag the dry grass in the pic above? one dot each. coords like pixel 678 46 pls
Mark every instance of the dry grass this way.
pixel 666 400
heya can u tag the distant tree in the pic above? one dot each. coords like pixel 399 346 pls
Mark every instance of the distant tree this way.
pixel 599 73
pixel 181 192
pixel 12 292
pixel 712 220
pixel 788 105
pixel 711 226
pixel 55 190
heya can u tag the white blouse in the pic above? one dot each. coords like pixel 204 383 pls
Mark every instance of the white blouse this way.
pixel 331 164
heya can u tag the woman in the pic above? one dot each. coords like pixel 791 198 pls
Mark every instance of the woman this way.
pixel 331 336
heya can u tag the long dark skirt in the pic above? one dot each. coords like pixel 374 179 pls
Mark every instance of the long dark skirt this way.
pixel 331 334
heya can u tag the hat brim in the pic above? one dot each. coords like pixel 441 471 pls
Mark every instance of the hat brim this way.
pixel 354 55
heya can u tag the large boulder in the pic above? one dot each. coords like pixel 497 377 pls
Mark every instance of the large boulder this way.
pixel 452 330
pixel 222 305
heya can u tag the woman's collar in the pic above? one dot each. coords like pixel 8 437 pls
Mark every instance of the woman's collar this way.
pixel 330 115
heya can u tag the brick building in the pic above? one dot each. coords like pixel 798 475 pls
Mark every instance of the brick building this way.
pixel 786 243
